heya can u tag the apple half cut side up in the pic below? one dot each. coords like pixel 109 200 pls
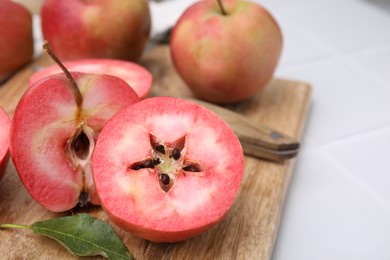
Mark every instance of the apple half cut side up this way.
pixel 5 124
pixel 135 75
pixel 53 135
pixel 167 169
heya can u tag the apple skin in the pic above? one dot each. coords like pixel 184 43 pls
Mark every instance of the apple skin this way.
pixel 45 126
pixel 226 58
pixel 196 200
pixel 80 29
pixel 135 75
pixel 16 41
pixel 5 124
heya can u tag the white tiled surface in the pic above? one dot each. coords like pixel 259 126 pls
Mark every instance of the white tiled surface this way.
pixel 338 204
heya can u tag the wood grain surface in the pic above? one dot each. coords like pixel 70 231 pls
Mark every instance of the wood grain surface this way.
pixel 248 231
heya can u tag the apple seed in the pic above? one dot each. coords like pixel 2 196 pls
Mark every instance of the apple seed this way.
pixel 165 178
pixel 168 161
pixel 192 168
pixel 80 145
pixel 83 198
pixel 176 153
pixel 148 163
pixel 160 148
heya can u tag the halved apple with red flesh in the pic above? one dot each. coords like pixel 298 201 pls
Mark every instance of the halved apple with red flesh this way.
pixel 53 134
pixel 167 169
pixel 5 124
pixel 135 75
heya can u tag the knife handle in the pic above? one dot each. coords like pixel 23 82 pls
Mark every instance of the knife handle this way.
pixel 257 140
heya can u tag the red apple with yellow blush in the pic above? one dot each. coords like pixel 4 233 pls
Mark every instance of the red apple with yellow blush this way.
pixel 81 29
pixel 226 50
pixel 16 37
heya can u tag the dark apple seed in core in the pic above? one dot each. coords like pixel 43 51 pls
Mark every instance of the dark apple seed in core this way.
pixel 136 166
pixel 191 168
pixel 83 198
pixel 165 179
pixel 160 148
pixel 176 153
pixel 80 145
pixel 148 163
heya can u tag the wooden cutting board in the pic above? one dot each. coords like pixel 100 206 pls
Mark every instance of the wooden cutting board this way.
pixel 248 231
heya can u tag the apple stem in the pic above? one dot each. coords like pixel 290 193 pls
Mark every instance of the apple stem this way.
pixel 221 6
pixel 73 85
pixel 3 226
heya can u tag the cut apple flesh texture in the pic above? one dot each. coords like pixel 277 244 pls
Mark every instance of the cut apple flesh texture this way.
pixel 5 124
pixel 150 191
pixel 135 75
pixel 52 139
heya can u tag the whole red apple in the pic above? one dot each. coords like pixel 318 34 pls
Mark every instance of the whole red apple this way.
pixel 5 124
pixel 226 50
pixel 79 29
pixel 167 169
pixel 16 37
pixel 53 134
pixel 135 75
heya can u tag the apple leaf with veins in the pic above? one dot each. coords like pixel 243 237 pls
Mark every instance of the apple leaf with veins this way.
pixel 81 235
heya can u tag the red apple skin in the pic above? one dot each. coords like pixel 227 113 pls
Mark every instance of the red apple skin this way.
pixel 226 58
pixel 134 198
pixel 5 124
pixel 16 41
pixel 44 125
pixel 81 29
pixel 135 75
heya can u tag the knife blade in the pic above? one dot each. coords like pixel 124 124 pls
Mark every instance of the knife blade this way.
pixel 257 140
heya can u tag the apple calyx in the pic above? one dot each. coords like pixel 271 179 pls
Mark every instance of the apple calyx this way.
pixel 223 11
pixel 168 160
pixel 80 146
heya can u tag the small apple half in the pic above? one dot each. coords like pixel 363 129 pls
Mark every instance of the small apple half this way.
pixel 167 169
pixel 5 124
pixel 135 75
pixel 53 135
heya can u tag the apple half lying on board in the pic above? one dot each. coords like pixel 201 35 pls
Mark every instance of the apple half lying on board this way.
pixel 135 75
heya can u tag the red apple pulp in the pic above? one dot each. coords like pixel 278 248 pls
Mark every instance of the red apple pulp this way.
pixel 16 37
pixel 53 135
pixel 226 55
pixel 81 29
pixel 135 75
pixel 5 124
pixel 167 169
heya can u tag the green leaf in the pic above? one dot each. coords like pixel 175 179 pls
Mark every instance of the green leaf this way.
pixel 84 235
